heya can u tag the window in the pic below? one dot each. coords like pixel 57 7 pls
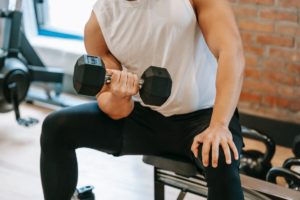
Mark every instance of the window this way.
pixel 63 18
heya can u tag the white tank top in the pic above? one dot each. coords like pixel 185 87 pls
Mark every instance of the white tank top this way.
pixel 162 33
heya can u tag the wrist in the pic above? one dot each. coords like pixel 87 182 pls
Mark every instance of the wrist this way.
pixel 219 124
pixel 121 99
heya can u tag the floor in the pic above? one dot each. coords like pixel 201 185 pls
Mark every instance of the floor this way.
pixel 114 178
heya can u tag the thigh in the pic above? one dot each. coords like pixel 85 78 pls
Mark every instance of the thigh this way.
pixel 144 131
pixel 148 132
pixel 82 126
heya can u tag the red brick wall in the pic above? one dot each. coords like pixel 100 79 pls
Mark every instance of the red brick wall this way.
pixel 270 30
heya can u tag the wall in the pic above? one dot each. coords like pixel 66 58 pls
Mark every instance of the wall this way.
pixel 3 4
pixel 270 30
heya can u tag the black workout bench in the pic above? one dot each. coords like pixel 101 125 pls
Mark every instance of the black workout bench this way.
pixel 180 173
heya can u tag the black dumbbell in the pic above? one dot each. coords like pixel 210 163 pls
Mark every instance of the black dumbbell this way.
pixel 90 76
pixel 253 162
pixel 84 193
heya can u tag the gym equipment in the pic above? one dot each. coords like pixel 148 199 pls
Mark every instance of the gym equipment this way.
pixel 253 162
pixel 90 76
pixel 180 173
pixel 289 164
pixel 286 171
pixel 296 146
pixel 20 66
pixel 291 177
pixel 84 193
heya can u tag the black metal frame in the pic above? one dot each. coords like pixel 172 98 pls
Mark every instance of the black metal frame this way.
pixel 195 185
pixel 179 173
pixel 16 45
pixel 41 17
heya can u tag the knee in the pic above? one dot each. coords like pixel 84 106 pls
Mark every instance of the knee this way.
pixel 224 173
pixel 52 129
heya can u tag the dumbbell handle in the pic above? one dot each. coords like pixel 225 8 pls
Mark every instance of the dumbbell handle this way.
pixel 108 80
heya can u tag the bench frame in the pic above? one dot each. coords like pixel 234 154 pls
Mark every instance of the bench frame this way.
pixel 194 182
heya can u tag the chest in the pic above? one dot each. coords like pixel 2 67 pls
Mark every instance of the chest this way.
pixel 150 31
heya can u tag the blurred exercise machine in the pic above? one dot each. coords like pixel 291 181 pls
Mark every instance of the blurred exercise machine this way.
pixel 20 66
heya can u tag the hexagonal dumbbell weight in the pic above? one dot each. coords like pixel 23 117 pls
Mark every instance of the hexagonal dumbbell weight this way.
pixel 90 76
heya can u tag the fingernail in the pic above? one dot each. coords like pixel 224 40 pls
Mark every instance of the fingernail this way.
pixel 228 161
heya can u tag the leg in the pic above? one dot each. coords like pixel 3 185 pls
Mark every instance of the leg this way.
pixel 62 133
pixel 142 132
pixel 224 181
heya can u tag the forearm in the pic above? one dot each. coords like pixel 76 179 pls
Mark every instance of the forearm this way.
pixel 114 107
pixel 229 82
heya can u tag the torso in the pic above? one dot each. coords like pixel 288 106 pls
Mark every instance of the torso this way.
pixel 142 33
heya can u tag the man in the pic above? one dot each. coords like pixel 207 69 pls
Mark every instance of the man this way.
pixel 198 42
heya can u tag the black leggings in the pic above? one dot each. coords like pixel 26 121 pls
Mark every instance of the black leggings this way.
pixel 143 132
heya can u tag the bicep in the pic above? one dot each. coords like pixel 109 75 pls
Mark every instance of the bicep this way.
pixel 93 38
pixel 95 44
pixel 217 22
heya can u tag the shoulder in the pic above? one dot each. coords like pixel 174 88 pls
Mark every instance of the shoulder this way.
pixel 194 5
pixel 102 5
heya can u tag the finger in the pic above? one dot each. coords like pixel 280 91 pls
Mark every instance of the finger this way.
pixel 136 85
pixel 123 82
pixel 194 148
pixel 115 76
pixel 226 152
pixel 114 79
pixel 199 138
pixel 215 154
pixel 123 77
pixel 129 85
pixel 205 153
pixel 109 71
pixel 234 149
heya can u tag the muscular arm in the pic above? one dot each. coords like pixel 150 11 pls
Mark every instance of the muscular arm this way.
pixel 96 45
pixel 217 22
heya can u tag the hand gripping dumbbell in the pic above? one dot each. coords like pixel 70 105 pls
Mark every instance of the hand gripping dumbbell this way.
pixel 90 76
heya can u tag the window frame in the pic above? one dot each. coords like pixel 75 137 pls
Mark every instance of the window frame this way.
pixel 41 14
